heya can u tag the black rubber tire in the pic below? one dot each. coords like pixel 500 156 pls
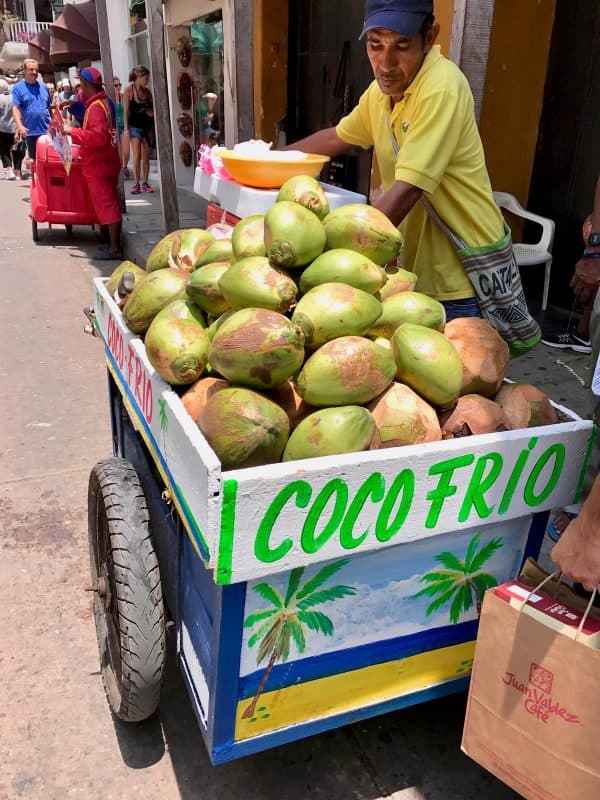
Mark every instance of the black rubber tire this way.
pixel 128 601
pixel 34 230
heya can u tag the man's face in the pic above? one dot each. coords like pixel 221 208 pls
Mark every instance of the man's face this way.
pixel 87 89
pixel 396 59
pixel 31 71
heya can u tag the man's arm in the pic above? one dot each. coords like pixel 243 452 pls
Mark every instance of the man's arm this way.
pixel 398 201
pixel 586 280
pixel 578 550
pixel 325 143
pixel 21 129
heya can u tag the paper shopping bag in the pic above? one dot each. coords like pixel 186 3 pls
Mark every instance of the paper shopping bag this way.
pixel 533 713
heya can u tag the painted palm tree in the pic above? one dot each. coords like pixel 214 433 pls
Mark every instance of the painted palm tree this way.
pixel 288 618
pixel 460 581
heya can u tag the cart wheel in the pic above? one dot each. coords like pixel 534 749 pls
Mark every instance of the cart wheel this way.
pixel 69 229
pixel 34 230
pixel 128 601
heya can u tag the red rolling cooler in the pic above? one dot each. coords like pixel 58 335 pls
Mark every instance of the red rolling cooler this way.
pixel 58 198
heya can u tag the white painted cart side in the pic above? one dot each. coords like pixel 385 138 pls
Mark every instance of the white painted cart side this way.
pixel 264 520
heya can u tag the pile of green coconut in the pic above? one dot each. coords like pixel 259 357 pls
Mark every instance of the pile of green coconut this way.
pixel 288 337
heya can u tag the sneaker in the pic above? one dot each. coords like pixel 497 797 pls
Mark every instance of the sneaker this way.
pixel 11 177
pixel 568 341
pixel 126 173
pixel 147 188
pixel 135 189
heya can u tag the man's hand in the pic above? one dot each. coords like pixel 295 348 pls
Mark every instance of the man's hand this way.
pixel 21 130
pixel 586 280
pixel 578 553
pixel 66 128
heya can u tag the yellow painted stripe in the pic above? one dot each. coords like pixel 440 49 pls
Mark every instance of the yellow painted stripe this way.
pixel 339 694
pixel 142 431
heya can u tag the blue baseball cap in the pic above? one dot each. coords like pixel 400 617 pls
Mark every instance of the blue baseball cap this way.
pixel 401 16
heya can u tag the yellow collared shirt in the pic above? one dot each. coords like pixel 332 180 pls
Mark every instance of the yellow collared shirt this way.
pixel 440 151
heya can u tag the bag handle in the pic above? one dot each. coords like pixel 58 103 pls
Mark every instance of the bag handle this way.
pixel 560 576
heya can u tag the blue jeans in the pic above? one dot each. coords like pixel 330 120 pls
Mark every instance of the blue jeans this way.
pixel 461 308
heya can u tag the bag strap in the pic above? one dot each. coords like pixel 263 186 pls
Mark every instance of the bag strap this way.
pixel 560 576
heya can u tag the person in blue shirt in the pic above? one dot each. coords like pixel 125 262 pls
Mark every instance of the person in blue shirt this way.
pixel 31 106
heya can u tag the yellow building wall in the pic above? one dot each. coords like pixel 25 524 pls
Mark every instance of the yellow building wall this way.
pixel 270 66
pixel 444 9
pixel 514 91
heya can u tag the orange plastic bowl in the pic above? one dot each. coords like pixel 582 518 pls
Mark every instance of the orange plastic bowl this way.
pixel 269 173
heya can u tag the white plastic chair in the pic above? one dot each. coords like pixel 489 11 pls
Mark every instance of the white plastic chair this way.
pixel 529 254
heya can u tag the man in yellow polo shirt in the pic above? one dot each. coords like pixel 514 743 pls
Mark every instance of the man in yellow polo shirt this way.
pixel 418 114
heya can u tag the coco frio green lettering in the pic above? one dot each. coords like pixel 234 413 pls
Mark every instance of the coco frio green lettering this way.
pixel 404 485
pixel 374 488
pixel 444 489
pixel 479 484
pixel 262 547
pixel 310 541
pixel 516 476
pixel 558 452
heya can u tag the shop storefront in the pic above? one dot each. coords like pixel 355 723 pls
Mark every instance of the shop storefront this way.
pixel 201 79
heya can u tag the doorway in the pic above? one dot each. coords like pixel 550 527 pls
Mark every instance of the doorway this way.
pixel 567 163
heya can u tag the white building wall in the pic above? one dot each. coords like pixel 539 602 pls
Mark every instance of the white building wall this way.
pixel 120 49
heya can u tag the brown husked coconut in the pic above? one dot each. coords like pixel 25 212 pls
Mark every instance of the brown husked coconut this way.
pixel 525 406
pixel 198 395
pixel 483 352
pixel 403 417
pixel 294 406
pixel 472 415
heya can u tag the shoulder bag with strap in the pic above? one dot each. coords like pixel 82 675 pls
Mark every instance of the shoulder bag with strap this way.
pixel 494 275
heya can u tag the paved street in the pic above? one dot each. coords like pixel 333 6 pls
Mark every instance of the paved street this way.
pixel 57 737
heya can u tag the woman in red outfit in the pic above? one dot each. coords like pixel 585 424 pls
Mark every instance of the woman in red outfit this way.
pixel 100 159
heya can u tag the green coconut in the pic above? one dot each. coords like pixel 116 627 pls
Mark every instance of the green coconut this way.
pixel 428 363
pixel 365 229
pixel 525 406
pixel 248 237
pixel 306 191
pixel 350 370
pixel 255 283
pixel 221 250
pixel 177 343
pixel 188 247
pixel 244 428
pixel 203 288
pixel 258 348
pixel 216 323
pixel 332 310
pixel 159 255
pixel 112 284
pixel 151 295
pixel 343 266
pixel 397 280
pixel 330 432
pixel 409 307
pixel 294 236
pixel 403 418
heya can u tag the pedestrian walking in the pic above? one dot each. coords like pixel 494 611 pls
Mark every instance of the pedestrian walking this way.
pixel 139 126
pixel 123 138
pixel 8 131
pixel 31 106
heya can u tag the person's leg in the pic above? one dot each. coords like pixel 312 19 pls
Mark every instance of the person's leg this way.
pixel 136 145
pixel 105 199
pixel 17 159
pixel 145 161
pixel 125 152
pixel 114 231
pixel 6 141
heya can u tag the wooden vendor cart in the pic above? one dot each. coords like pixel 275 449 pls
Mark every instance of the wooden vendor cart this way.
pixel 304 595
